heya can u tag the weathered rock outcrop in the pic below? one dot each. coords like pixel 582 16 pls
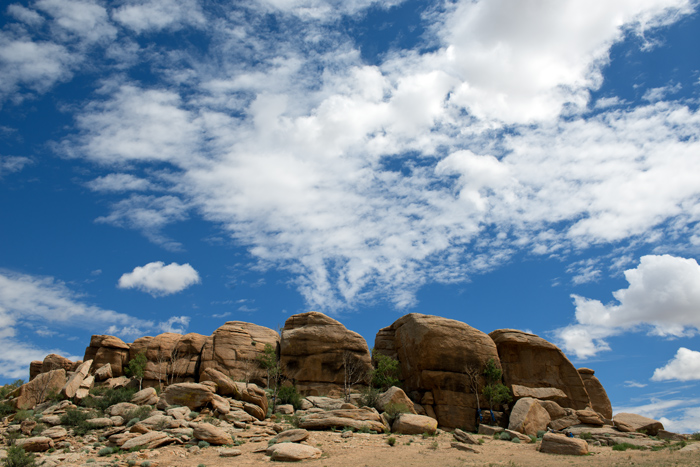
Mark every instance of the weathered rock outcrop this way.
pixel 186 357
pixel 434 353
pixel 528 417
pixel 158 351
pixel 628 422
pixel 234 348
pixel 529 360
pixel 559 444
pixel 312 352
pixel 599 398
pixel 108 349
pixel 37 390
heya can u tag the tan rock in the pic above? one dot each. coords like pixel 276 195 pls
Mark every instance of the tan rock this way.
pixel 192 395
pixel 233 349
pixel 122 409
pixel 363 418
pixel 146 396
pixel 529 360
pixel 211 434
pixel 230 452
pixel 55 362
pixel 251 394
pixel 36 391
pixel 312 349
pixel 396 397
pixel 158 351
pixel 433 354
pixel 293 452
pixel 120 438
pixel 220 404
pixel 554 410
pixel 76 380
pixel 185 357
pixel 108 349
pixel 101 422
pixel 564 422
pixel 489 430
pixel 464 437
pixel 463 447
pixel 412 424
pixel 638 423
pixel 528 417
pixel 560 444
pixel 104 372
pixel 590 417
pixel 147 440
pixel 56 433
pixel 296 435
pixel 34 369
pixel 599 397
pixel 543 394
pixel 35 444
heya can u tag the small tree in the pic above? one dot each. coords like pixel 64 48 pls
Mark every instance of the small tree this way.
pixel 353 372
pixel 386 373
pixel 472 373
pixel 269 361
pixel 495 391
pixel 137 367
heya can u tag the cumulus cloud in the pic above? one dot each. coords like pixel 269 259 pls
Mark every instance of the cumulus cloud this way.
pixel 663 297
pixel 685 366
pixel 155 15
pixel 158 279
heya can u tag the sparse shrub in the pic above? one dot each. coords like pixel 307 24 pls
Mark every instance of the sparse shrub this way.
pixel 370 397
pixel 289 395
pixel 586 435
pixel 18 457
pixel 38 429
pixel 386 372
pixel 541 433
pixel 515 440
pixel 78 420
pixel 533 438
pixel 504 436
pixel 146 464
pixel 23 415
pixel 8 388
pixel 105 452
pixel 695 436
pixel 203 444
pixel 481 441
pixel 391 441
pixel 363 429
pixel 626 446
pixel 293 420
pixel 394 410
pixel 103 397
pixel 201 465
pixel 141 413
pixel 133 422
pixel 6 409
pixel 434 445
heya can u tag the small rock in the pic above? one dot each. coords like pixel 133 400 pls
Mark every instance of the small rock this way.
pixel 212 434
pixel 230 453
pixel 489 430
pixel 463 447
pixel 347 434
pixel 411 424
pixel 292 452
pixel 35 444
pixel 285 409
pixel 464 437
pixel 147 396
pixel 293 436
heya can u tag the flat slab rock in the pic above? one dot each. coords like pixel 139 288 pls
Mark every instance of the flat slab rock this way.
pixel 292 452
pixel 561 444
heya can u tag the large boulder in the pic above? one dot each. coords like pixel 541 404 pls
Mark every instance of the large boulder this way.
pixel 530 361
pixel 412 424
pixel 293 452
pixel 37 390
pixel 55 362
pixel 629 422
pixel 158 351
pixel 312 352
pixel 560 444
pixel 599 398
pixel 396 397
pixel 211 434
pixel 186 357
pixel 35 369
pixel 433 354
pixel 76 380
pixel 357 419
pixel 192 395
pixel 233 349
pixel 105 349
pixel 528 417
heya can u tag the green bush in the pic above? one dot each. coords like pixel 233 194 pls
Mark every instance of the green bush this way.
pixel 78 420
pixel 142 413
pixel 533 438
pixel 626 446
pixel 394 410
pixel 695 436
pixel 386 372
pixel 23 415
pixel 541 433
pixel 391 441
pixel 504 436
pixel 6 409
pixel 289 395
pixel 515 440
pixel 370 397
pixel 8 388
pixel 133 422
pixel 105 452
pixel 586 435
pixel 107 397
pixel 203 444
pixel 18 457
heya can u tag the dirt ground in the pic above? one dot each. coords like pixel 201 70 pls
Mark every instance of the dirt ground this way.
pixel 365 450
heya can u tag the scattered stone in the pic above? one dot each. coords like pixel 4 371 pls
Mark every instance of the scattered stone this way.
pixel 463 447
pixel 35 444
pixel 489 430
pixel 292 436
pixel 56 433
pixel 412 424
pixel 561 444
pixel 230 452
pixel 292 452
pixel 325 403
pixel 211 434
pixel 464 437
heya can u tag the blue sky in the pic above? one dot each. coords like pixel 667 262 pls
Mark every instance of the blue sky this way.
pixel 171 165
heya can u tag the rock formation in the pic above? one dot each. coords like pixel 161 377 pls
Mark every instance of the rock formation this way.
pixel 312 352
pixel 531 361
pixel 108 349
pixel 434 354
pixel 599 398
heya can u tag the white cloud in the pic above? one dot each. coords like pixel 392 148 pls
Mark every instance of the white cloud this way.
pixel 29 301
pixel 158 279
pixel 10 164
pixel 86 20
pixel 634 384
pixel 24 14
pixel 685 366
pixel 176 324
pixel 149 214
pixel 677 415
pixel 663 296
pixel 156 15
pixel 657 94
pixel 118 182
